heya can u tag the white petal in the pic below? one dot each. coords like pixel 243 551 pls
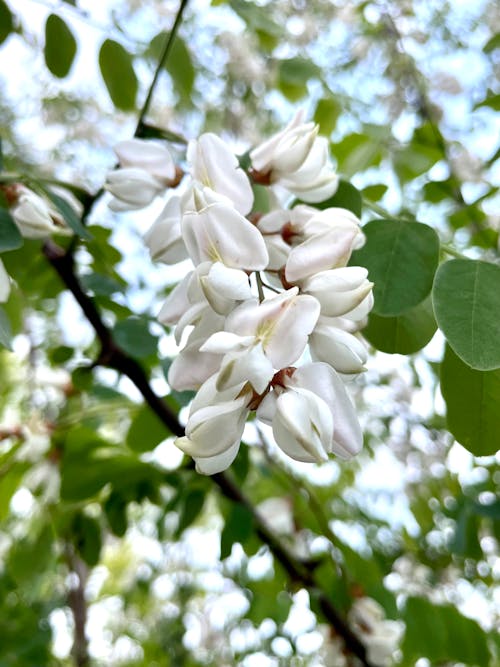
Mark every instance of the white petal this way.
pixel 345 352
pixel 220 234
pixel 215 165
pixel 148 155
pixel 303 426
pixel 250 366
pixel 224 341
pixel 323 380
pixel 214 464
pixel 164 238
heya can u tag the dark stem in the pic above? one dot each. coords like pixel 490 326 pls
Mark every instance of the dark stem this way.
pixel 78 606
pixel 112 356
pixel 169 40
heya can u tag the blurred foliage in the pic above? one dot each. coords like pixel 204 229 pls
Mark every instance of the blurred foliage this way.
pixel 99 515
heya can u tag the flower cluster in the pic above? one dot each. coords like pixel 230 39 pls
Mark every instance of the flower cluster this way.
pixel 266 291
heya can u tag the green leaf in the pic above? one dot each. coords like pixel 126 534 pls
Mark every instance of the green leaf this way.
pixel 472 404
pixel 115 508
pixel 179 63
pixel 5 330
pixel 441 634
pixel 356 152
pixel 346 196
pixel 133 336
pixel 404 334
pixel 10 236
pixel 6 21
pixel 101 285
pixel 466 297
pixel 118 74
pixel 146 431
pixel 293 75
pixel 60 46
pixel 401 258
pixel 492 44
pixel 326 115
pixel 87 538
pixel 374 192
pixel 237 528
pixel 192 504
pixel 492 101
pixel 69 214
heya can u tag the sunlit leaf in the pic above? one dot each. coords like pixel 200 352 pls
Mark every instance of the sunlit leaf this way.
pixel 466 297
pixel 326 114
pixel 6 21
pixel 440 633
pixel 60 46
pixel 146 431
pixel 401 258
pixel 118 73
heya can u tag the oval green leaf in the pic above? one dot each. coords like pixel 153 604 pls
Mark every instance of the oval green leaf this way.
pixel 60 46
pixel 10 236
pixel 401 258
pixel 404 334
pixel 472 404
pixel 466 297
pixel 6 21
pixel 118 74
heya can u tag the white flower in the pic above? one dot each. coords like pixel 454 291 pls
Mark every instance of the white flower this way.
pixel 286 151
pixel 270 226
pixel 4 283
pixel 380 636
pixel 323 241
pixel 297 159
pixel 213 165
pixel 215 426
pixel 339 291
pixel 344 351
pixel 151 157
pixel 146 169
pixel 262 337
pixel 214 231
pixel 164 238
pixel 35 217
pixel 132 188
pixel 312 415
pixel 302 424
pixel 316 180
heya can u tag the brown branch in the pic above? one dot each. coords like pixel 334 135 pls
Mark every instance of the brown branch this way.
pixel 78 606
pixel 112 356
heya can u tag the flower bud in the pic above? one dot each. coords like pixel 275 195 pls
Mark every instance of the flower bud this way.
pixel 132 188
pixel 164 238
pixel 339 291
pixel 35 218
pixel 4 283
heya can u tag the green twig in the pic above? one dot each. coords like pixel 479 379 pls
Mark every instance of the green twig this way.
pixel 161 63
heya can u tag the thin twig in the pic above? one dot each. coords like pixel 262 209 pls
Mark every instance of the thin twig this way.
pixel 161 64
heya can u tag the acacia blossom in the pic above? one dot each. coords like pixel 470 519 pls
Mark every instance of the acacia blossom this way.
pixel 268 291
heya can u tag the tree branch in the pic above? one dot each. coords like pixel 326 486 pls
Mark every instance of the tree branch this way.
pixel 112 356
pixel 78 606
